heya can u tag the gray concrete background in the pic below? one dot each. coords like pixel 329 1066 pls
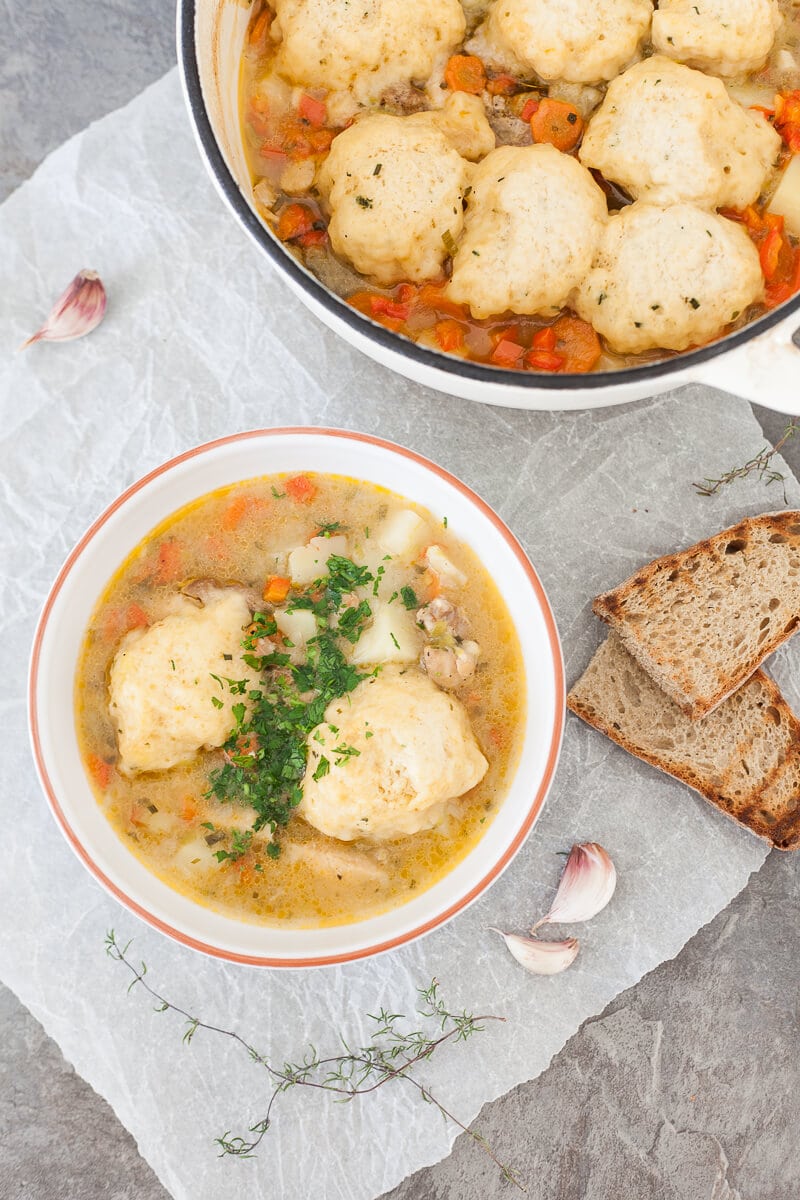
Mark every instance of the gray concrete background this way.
pixel 683 1089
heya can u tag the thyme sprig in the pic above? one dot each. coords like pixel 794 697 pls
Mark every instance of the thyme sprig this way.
pixel 760 463
pixel 391 1056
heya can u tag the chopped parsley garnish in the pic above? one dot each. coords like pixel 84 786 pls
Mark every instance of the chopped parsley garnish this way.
pixel 364 201
pixel 409 597
pixel 278 495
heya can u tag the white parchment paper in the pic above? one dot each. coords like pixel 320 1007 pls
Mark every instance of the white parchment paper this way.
pixel 202 339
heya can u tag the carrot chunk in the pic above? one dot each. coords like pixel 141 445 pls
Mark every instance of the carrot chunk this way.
pixel 465 73
pixel 189 808
pixel 294 221
pixel 449 335
pixel 382 306
pixel 135 618
pixel 544 360
pixel 544 339
pixel 507 353
pixel 301 489
pixel 502 85
pixel 577 343
pixel 530 106
pixel 236 511
pixel 100 770
pixel 276 589
pixel 558 123
pixel 313 111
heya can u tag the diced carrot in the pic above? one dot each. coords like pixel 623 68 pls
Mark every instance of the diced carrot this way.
pixel 544 339
pixel 276 589
pixel 431 295
pixel 577 344
pixel 294 221
pixel 170 561
pixel 465 73
pixel 135 617
pixel 317 237
pixel 769 253
pixel 246 743
pixel 319 140
pixel 449 335
pixel 787 118
pixel 530 106
pixel 235 512
pixel 216 547
pixel 777 293
pixel 382 306
pixel 406 293
pixel 273 154
pixel 502 85
pixel 544 360
pixel 433 584
pixel 507 353
pixel 558 123
pixel 313 111
pixel 301 489
pixel 498 735
pixel 259 27
pixel 100 770
pixel 189 808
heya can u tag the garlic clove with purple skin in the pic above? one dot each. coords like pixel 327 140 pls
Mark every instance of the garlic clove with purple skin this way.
pixel 541 958
pixel 586 886
pixel 78 311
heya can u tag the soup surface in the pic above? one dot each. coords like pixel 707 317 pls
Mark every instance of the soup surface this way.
pixel 300 700
pixel 497 184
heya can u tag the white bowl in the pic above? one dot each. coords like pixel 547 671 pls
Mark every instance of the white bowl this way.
pixel 122 526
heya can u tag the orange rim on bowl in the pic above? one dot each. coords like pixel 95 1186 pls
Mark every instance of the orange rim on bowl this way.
pixel 440 918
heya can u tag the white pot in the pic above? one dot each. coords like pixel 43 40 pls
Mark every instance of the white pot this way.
pixel 759 362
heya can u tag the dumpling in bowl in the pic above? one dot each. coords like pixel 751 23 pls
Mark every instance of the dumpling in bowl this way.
pixel 725 37
pixel 668 277
pixel 416 753
pixel 395 188
pixel 564 39
pixel 163 699
pixel 668 134
pixel 365 46
pixel 534 218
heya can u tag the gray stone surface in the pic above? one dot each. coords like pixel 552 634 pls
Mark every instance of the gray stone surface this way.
pixel 682 1090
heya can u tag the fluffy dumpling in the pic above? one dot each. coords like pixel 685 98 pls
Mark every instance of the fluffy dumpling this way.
pixel 667 134
pixel 161 691
pixel 564 39
pixel 416 753
pixel 365 46
pixel 668 277
pixel 395 188
pixel 533 220
pixel 726 37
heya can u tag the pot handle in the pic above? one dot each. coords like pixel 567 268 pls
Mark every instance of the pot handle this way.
pixel 765 370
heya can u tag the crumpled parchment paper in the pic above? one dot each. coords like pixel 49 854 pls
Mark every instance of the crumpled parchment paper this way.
pixel 201 339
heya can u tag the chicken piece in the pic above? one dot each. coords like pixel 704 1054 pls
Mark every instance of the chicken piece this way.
pixel 331 858
pixel 163 699
pixel 533 220
pixel 450 658
pixel 566 40
pixel 668 134
pixel 724 37
pixel 416 754
pixel 463 121
pixel 668 278
pixel 442 619
pixel 395 188
pixel 365 47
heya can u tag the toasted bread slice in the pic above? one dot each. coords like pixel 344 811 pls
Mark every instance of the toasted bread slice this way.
pixel 701 621
pixel 744 758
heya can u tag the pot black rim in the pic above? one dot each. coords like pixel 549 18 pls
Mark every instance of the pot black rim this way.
pixel 396 343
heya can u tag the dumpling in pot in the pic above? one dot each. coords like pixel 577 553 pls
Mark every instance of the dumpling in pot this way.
pixel 725 37
pixel 163 700
pixel 534 218
pixel 564 39
pixel 668 277
pixel 669 134
pixel 395 188
pixel 365 46
pixel 416 754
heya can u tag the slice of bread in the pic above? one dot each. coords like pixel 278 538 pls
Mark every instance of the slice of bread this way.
pixel 744 758
pixel 701 621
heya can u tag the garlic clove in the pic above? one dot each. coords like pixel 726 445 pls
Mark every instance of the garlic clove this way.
pixel 78 311
pixel 541 958
pixel 586 886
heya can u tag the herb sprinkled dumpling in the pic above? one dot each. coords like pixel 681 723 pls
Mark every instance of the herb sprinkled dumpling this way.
pixel 395 187
pixel 534 218
pixel 668 277
pixel 568 40
pixel 669 134
pixel 406 750
pixel 725 37
pixel 365 46
pixel 163 700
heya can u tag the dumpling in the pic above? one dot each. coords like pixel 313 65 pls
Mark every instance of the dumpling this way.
pixel 416 753
pixel 534 218
pixel 395 188
pixel 668 277
pixel 163 700
pixel 725 37
pixel 669 134
pixel 366 46
pixel 564 39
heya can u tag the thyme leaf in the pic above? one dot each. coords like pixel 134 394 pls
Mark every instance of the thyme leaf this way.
pixel 760 464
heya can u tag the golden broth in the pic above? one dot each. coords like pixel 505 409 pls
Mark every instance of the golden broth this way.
pixel 241 534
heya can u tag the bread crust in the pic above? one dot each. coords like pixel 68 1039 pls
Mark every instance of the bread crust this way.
pixel 672 672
